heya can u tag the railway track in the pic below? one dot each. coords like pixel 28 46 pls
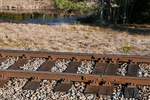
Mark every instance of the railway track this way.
pixel 100 74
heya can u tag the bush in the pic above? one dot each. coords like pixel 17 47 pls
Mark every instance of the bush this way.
pixel 68 5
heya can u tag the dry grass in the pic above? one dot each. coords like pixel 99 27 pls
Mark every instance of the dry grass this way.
pixel 72 38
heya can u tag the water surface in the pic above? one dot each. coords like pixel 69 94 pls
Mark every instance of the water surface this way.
pixel 37 18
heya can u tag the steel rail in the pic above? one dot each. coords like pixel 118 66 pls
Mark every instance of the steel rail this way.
pixel 96 79
pixel 76 56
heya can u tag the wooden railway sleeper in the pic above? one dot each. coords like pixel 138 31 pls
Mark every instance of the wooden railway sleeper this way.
pixel 32 84
pixel 131 92
pixel 62 86
pixel 94 83
pixel 35 78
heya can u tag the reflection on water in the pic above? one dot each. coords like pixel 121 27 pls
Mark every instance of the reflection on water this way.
pixel 36 18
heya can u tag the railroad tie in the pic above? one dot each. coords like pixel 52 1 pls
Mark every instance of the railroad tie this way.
pixel 99 68
pixel 62 86
pixel 99 90
pixel 46 66
pixel 32 85
pixel 91 89
pixel 72 67
pixel 131 92
pixel 105 90
pixel 111 69
pixel 18 64
pixel 132 70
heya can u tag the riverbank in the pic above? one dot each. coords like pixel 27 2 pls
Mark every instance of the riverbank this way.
pixel 72 38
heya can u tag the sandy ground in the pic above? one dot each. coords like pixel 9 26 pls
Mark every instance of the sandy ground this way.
pixel 72 38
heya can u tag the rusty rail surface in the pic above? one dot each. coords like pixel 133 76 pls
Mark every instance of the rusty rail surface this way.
pixel 76 56
pixel 93 79
pixel 104 72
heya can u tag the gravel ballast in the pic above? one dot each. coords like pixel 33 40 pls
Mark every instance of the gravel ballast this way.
pixel 7 63
pixel 13 89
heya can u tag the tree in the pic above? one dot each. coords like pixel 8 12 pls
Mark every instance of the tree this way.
pixel 140 13
pixel 128 11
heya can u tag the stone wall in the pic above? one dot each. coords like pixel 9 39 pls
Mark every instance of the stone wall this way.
pixel 26 4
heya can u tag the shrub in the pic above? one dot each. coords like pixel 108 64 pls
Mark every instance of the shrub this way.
pixel 68 5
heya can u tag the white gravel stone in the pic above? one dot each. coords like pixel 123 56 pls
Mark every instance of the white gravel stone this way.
pixel 86 67
pixel 12 90
pixel 103 97
pixel 33 65
pixel 144 93
pixel 90 97
pixel 144 70
pixel 8 62
pixel 44 92
pixel 123 69
pixel 60 66
pixel 76 92
pixel 117 93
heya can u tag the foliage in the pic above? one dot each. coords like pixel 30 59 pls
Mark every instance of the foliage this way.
pixel 130 11
pixel 68 5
